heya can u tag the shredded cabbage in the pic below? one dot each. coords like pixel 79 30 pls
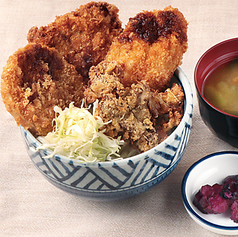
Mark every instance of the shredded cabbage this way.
pixel 77 135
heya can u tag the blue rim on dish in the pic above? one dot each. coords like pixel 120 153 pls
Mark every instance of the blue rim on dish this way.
pixel 185 199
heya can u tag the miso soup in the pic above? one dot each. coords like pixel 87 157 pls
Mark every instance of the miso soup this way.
pixel 221 87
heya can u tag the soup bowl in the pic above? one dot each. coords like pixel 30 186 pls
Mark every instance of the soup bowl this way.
pixel 222 124
pixel 118 179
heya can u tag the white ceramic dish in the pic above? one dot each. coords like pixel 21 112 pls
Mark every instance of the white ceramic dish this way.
pixel 210 170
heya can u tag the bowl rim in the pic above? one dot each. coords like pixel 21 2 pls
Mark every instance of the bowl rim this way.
pixel 185 198
pixel 209 50
pixel 187 116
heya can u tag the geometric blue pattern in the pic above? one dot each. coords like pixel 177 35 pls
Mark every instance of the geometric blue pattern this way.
pixel 114 179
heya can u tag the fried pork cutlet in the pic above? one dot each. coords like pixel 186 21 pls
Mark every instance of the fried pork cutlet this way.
pixel 34 80
pixel 151 47
pixel 82 36
pixel 137 113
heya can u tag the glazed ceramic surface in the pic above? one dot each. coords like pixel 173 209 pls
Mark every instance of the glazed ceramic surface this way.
pixel 122 178
pixel 210 170
pixel 223 125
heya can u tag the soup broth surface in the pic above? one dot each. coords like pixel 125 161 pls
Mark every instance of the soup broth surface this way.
pixel 221 87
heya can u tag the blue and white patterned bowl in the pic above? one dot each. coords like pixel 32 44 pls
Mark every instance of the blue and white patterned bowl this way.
pixel 119 179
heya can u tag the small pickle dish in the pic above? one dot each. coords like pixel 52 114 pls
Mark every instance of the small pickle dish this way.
pixel 210 170
pixel 118 179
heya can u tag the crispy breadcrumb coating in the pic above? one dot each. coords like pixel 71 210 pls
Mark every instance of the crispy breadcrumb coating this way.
pixel 82 36
pixel 151 47
pixel 34 80
pixel 130 72
pixel 137 113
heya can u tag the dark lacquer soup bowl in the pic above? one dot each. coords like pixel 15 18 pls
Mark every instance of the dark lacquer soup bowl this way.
pixel 222 124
